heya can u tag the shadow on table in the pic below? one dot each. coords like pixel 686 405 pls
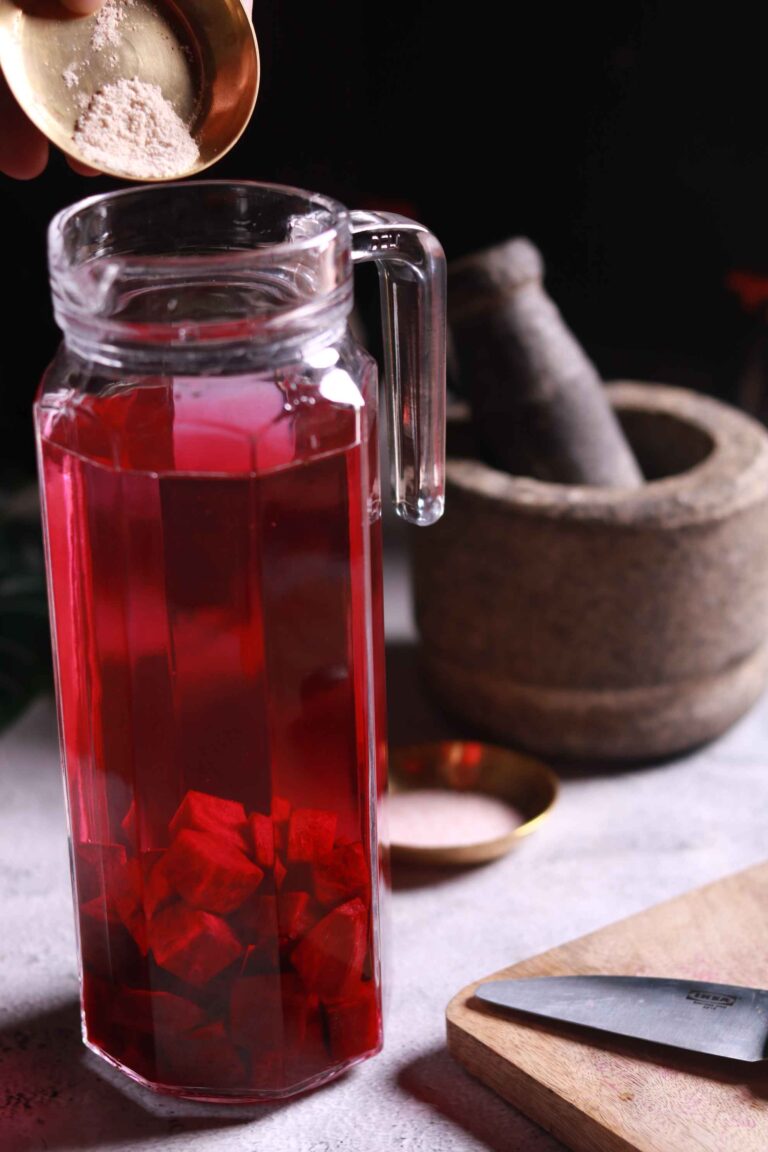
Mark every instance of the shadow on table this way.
pixel 57 1095
pixel 437 1080
pixel 407 877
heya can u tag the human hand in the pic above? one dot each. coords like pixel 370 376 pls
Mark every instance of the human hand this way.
pixel 23 147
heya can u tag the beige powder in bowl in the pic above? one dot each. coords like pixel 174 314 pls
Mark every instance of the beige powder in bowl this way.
pixel 129 126
pixel 442 818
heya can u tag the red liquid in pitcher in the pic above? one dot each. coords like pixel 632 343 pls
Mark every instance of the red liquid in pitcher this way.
pixel 210 557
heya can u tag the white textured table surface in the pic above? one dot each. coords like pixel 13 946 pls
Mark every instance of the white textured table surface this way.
pixel 616 843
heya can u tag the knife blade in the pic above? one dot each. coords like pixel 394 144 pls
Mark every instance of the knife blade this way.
pixel 717 1019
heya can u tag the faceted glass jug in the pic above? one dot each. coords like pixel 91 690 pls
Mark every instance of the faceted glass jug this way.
pixel 209 462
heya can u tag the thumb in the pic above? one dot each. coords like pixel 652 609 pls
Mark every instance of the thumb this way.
pixel 82 7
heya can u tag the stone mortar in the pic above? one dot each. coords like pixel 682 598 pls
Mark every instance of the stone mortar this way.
pixel 602 622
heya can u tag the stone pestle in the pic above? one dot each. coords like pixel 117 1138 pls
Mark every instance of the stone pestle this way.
pixel 539 405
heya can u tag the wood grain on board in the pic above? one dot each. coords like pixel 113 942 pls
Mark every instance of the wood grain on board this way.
pixel 625 1095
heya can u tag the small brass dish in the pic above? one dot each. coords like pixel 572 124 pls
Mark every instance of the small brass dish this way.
pixel 527 785
pixel 202 54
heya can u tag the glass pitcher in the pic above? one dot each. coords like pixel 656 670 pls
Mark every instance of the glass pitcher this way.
pixel 209 461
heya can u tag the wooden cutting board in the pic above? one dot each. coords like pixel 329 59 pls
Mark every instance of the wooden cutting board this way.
pixel 626 1096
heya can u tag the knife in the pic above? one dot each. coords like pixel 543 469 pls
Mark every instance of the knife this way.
pixel 718 1019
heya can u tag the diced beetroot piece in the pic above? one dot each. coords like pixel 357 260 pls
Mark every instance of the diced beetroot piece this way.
pixel 99 911
pixel 211 875
pixel 155 1011
pixel 281 809
pixel 95 867
pixel 295 914
pixel 281 814
pixel 193 945
pixel 353 1024
pixel 108 949
pixel 222 819
pixel 263 837
pixel 310 835
pixel 127 898
pixel 261 959
pixel 268 1013
pixel 256 919
pixel 158 889
pixel 256 1013
pixel 298 1004
pixel 205 1058
pixel 343 875
pixel 298 878
pixel 149 859
pixel 256 923
pixel 280 873
pixel 310 1057
pixel 330 957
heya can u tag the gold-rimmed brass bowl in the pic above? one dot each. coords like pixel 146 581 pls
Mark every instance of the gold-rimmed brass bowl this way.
pixel 201 53
pixel 524 783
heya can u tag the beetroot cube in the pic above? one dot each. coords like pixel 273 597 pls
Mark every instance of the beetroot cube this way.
pixel 256 919
pixel 99 911
pixel 310 835
pixel 256 924
pixel 280 873
pixel 212 875
pixel 268 1013
pixel 108 948
pixel 155 1011
pixel 330 957
pixel 200 1059
pixel 127 899
pixel 310 1057
pixel 298 1003
pixel 256 1012
pixel 95 866
pixel 261 959
pixel 281 809
pixel 158 888
pixel 263 836
pixel 149 858
pixel 294 914
pixel 223 819
pixel 281 814
pixel 353 1023
pixel 193 945
pixel 298 878
pixel 343 875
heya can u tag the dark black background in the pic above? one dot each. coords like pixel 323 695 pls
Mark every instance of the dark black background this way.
pixel 628 142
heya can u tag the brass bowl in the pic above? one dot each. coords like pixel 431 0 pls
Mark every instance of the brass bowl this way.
pixel 523 782
pixel 202 53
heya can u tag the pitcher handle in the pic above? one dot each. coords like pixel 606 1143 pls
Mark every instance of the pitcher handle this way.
pixel 411 268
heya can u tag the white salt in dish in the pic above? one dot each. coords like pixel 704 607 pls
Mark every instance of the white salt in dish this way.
pixel 461 802
pixel 129 125
pixel 441 818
